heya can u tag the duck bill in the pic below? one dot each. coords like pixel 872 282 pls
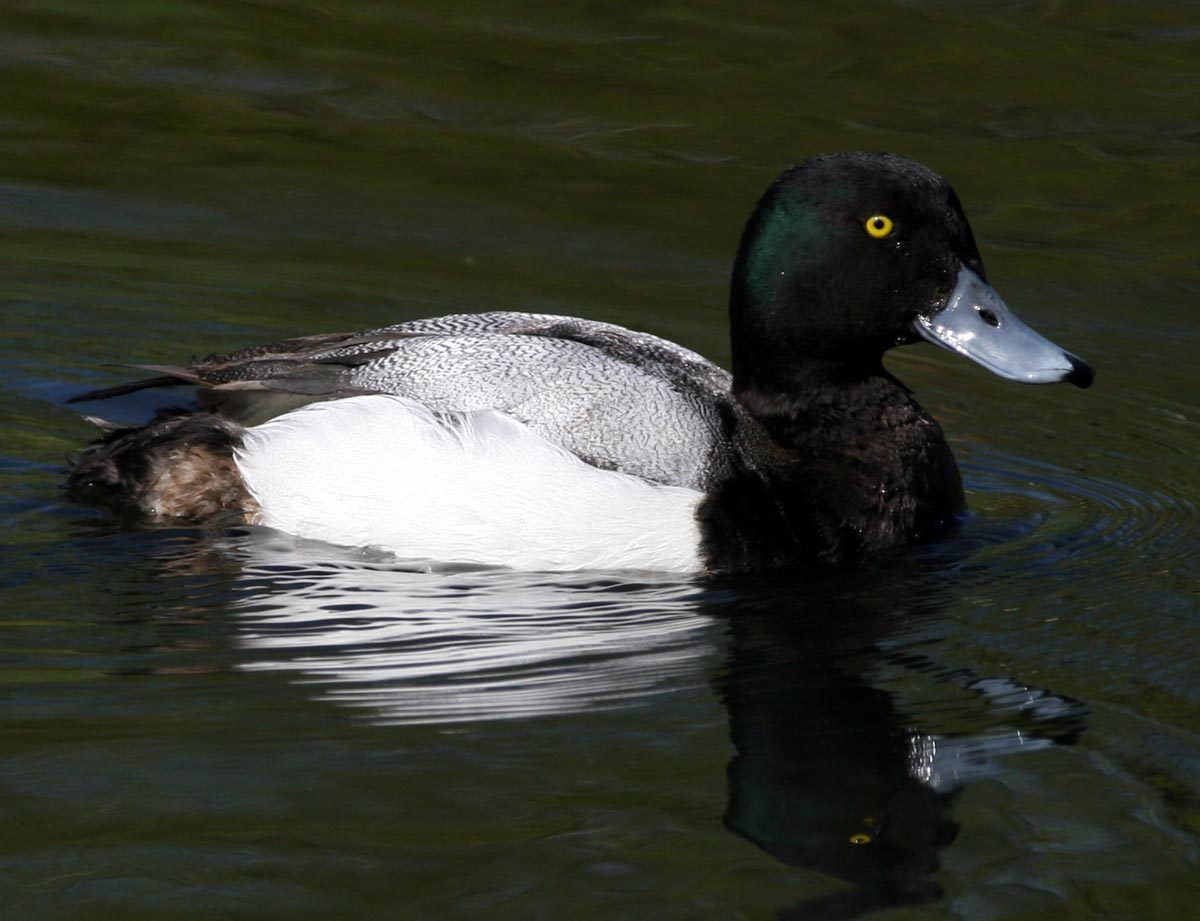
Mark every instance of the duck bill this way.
pixel 976 323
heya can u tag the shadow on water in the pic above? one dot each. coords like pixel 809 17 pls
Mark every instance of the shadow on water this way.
pixel 831 772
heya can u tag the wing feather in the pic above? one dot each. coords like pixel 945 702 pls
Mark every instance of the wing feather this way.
pixel 618 399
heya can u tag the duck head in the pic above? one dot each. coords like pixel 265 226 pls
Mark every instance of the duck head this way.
pixel 849 255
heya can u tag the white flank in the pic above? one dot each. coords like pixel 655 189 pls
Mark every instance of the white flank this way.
pixel 475 487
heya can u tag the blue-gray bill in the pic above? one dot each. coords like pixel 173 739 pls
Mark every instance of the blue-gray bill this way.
pixel 976 323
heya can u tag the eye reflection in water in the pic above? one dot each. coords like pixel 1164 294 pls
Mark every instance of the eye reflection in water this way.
pixel 829 773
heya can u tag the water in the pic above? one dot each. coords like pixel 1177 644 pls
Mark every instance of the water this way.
pixel 239 725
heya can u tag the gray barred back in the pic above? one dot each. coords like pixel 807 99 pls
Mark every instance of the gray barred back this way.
pixel 618 399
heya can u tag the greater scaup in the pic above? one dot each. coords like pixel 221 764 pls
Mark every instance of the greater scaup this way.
pixel 546 442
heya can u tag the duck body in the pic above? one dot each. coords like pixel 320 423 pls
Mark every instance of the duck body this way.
pixel 546 442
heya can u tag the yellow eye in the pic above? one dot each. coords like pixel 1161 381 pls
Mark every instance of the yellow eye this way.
pixel 879 226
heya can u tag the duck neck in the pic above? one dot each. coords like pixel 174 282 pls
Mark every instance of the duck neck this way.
pixel 823 404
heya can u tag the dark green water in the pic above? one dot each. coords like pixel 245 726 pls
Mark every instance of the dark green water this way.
pixel 214 725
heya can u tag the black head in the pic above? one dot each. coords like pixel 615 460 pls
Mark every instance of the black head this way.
pixel 850 254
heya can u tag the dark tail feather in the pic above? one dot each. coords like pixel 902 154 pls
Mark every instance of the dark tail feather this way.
pixel 105 393
pixel 179 467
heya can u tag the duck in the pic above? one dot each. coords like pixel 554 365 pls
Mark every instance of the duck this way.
pixel 554 443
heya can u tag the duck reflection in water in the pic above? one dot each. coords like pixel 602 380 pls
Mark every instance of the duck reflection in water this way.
pixel 830 774
pixel 833 772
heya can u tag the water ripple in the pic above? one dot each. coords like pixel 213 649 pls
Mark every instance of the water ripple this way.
pixel 1086 576
pixel 1052 516
pixel 419 647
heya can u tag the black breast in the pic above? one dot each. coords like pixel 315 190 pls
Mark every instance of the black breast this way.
pixel 829 481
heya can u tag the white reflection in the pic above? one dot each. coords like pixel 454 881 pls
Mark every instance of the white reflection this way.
pixel 945 763
pixel 412 646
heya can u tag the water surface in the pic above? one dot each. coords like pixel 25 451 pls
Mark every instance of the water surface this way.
pixel 236 724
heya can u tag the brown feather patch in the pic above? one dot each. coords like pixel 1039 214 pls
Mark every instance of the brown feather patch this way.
pixel 198 483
